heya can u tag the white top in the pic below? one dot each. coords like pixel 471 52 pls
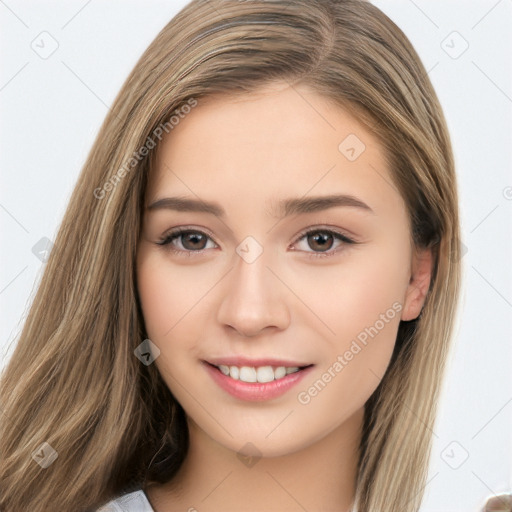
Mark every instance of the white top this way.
pixel 133 502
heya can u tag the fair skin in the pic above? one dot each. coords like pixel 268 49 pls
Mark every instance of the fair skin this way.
pixel 247 153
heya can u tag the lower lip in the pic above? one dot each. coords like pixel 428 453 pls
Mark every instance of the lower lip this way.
pixel 256 391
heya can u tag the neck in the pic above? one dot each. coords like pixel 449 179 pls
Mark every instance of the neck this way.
pixel 213 478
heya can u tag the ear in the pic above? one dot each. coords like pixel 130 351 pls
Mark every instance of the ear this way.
pixel 416 293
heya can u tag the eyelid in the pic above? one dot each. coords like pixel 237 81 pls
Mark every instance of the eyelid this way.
pixel 325 228
pixel 337 233
pixel 174 233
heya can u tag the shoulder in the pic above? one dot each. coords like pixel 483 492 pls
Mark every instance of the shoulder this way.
pixel 132 502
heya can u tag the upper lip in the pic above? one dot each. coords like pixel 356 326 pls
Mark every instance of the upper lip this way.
pixel 244 361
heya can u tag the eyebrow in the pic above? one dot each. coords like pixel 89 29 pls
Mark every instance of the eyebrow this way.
pixel 286 207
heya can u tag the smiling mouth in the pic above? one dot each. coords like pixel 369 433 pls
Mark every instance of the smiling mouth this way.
pixel 259 374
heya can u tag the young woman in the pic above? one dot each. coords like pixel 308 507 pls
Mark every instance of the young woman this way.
pixel 251 297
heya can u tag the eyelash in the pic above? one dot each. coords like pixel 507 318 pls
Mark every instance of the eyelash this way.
pixel 176 233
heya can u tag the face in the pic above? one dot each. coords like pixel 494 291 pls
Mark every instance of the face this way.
pixel 268 276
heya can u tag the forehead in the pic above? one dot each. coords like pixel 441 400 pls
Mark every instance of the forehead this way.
pixel 278 141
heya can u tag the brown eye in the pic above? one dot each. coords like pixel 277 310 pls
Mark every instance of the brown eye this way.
pixel 193 241
pixel 320 241
pixel 186 241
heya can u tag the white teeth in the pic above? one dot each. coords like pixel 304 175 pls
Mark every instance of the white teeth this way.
pixel 260 374
pixel 224 369
pixel 280 372
pixel 234 372
pixel 248 374
pixel 265 374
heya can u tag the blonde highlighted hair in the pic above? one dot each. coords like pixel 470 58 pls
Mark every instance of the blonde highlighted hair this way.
pixel 73 380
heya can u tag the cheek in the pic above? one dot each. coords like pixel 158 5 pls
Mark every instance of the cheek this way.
pixel 176 305
pixel 370 315
pixel 352 295
pixel 362 307
pixel 168 295
pixel 158 303
pixel 167 300
pixel 360 301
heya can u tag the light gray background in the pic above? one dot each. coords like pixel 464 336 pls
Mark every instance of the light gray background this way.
pixel 51 110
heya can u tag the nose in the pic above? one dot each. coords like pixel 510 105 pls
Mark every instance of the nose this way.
pixel 253 299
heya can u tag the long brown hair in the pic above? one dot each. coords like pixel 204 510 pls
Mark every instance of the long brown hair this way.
pixel 74 388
